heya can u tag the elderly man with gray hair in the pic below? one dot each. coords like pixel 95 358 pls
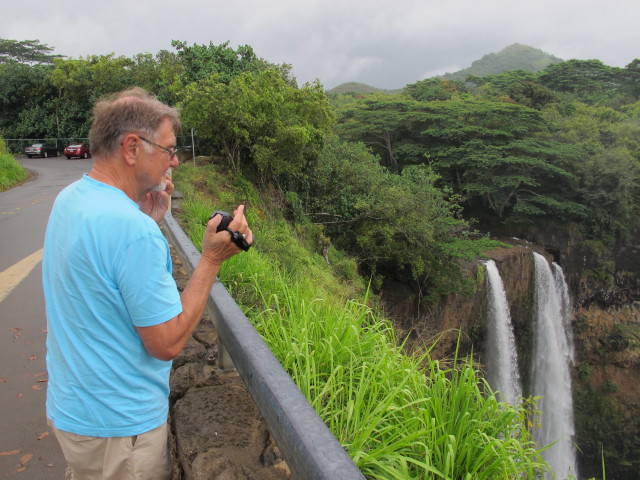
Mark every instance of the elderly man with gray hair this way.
pixel 115 317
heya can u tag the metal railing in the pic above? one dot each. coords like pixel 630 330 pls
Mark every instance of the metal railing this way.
pixel 308 446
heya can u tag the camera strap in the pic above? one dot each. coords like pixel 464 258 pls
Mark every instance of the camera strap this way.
pixel 239 239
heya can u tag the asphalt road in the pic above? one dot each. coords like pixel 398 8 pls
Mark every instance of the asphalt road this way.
pixel 28 450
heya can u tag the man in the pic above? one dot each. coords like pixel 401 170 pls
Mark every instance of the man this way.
pixel 115 316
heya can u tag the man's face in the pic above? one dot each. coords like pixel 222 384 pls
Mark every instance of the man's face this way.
pixel 157 161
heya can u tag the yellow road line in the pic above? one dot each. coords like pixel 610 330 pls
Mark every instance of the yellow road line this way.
pixel 12 276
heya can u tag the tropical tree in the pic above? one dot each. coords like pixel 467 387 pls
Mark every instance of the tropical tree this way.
pixel 588 80
pixel 163 74
pixel 515 86
pixel 632 79
pixel 260 118
pixel 79 83
pixel 21 86
pixel 435 89
pixel 608 170
pixel 390 222
pixel 25 51
pixel 381 122
pixel 200 62
pixel 24 67
pixel 498 156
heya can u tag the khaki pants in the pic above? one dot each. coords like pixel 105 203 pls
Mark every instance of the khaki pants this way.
pixel 140 457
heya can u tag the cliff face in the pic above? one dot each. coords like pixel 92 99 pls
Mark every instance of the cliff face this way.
pixel 458 315
pixel 605 291
pixel 606 388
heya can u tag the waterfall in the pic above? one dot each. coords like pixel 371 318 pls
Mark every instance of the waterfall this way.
pixel 551 379
pixel 501 359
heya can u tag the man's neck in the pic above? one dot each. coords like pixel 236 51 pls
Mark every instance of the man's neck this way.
pixel 105 172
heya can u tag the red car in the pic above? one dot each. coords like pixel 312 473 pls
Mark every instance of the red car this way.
pixel 81 150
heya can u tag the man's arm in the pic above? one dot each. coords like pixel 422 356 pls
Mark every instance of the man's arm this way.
pixel 166 340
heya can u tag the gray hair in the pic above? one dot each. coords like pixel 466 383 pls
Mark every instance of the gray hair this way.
pixel 129 111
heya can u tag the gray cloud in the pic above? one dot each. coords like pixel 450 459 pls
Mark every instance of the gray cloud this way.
pixel 381 43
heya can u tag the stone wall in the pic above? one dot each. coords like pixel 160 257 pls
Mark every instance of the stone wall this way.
pixel 217 430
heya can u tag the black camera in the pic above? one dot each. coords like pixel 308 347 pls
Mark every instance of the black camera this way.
pixel 236 237
pixel 226 219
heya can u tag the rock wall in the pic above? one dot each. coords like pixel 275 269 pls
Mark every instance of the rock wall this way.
pixel 459 321
pixel 217 430
pixel 606 389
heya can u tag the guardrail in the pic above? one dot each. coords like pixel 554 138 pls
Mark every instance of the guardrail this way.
pixel 308 446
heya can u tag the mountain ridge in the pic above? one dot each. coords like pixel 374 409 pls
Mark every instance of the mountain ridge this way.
pixel 513 57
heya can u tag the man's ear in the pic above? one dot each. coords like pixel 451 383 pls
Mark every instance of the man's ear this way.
pixel 130 148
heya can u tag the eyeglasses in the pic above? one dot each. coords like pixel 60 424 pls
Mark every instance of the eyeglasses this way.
pixel 172 151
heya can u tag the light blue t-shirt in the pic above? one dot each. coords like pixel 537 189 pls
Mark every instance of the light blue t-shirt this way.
pixel 106 270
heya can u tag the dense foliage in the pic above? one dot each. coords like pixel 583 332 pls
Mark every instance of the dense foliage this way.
pixel 410 174
pixel 521 149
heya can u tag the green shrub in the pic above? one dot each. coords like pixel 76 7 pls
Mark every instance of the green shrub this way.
pixel 609 386
pixel 584 371
pixel 11 172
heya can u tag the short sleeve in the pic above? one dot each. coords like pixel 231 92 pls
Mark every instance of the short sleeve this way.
pixel 143 273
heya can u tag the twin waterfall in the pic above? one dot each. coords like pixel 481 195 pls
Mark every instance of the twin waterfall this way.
pixel 552 357
pixel 502 358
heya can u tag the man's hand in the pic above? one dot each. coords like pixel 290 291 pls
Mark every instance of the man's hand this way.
pixel 217 246
pixel 156 203
pixel 166 340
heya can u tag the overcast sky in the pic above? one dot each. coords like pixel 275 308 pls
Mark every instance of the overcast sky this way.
pixel 386 44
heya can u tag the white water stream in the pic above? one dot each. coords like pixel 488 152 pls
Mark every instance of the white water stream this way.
pixel 501 359
pixel 551 379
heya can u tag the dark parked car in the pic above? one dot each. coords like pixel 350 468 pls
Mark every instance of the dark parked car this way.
pixel 42 150
pixel 78 150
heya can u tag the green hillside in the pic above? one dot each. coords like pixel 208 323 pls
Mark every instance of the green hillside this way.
pixel 353 87
pixel 513 57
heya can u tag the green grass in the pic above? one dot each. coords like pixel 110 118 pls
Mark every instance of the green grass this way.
pixel 11 172
pixel 398 416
